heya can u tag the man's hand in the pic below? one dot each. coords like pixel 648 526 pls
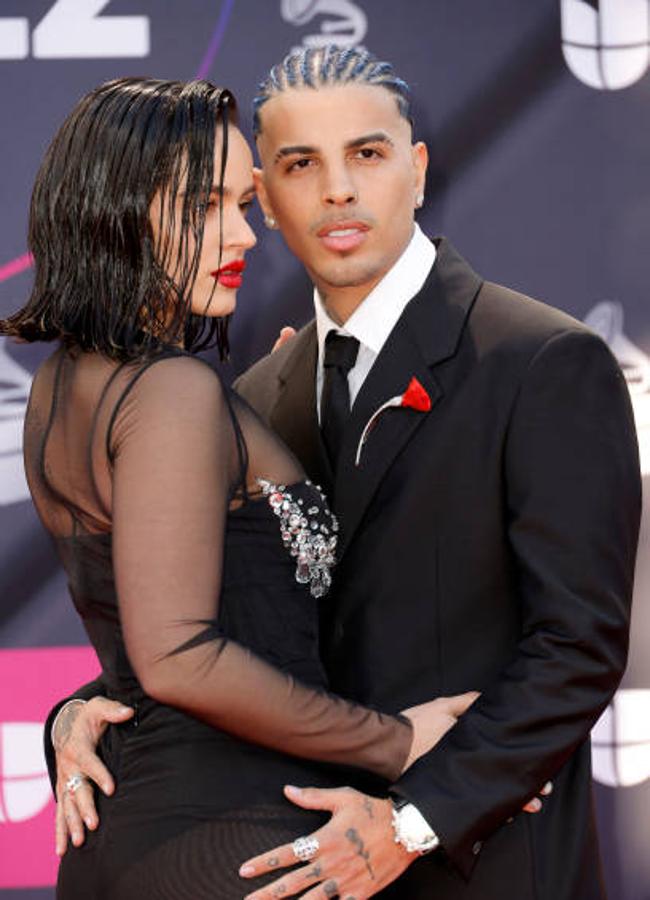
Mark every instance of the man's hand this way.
pixel 357 858
pixel 286 334
pixel 76 734
pixel 357 854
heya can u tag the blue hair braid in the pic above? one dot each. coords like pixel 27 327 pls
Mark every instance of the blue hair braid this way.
pixel 330 66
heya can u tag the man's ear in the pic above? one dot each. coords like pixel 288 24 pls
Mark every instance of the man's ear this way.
pixel 260 190
pixel 420 155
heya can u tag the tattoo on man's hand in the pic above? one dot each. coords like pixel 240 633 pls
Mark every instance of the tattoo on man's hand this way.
pixel 273 862
pixel 330 888
pixel 368 806
pixel 279 890
pixel 315 872
pixel 355 838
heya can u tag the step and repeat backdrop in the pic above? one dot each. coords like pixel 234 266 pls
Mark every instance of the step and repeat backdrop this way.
pixel 537 116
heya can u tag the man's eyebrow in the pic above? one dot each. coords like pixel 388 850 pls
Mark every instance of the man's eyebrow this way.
pixel 293 150
pixel 375 137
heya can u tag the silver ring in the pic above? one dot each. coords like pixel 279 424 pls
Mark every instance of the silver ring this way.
pixel 74 782
pixel 305 848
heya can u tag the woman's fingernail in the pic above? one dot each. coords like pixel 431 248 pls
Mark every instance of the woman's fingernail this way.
pixel 292 790
pixel 246 871
pixel 536 804
pixel 123 710
pixel 107 788
pixel 90 822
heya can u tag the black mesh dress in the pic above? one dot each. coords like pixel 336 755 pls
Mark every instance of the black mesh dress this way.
pixel 197 554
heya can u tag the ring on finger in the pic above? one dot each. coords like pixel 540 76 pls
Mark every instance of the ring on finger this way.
pixel 305 848
pixel 74 782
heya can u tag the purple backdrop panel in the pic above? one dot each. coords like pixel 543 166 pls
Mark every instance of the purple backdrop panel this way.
pixel 32 681
pixel 537 118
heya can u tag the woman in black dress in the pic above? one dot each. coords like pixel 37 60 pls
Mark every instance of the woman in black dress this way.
pixel 196 550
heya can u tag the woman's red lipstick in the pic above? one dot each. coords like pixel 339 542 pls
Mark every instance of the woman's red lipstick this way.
pixel 230 274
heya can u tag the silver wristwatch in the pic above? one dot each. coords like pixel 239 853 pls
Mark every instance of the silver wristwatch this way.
pixel 411 829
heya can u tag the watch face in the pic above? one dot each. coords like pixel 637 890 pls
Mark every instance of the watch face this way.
pixel 412 830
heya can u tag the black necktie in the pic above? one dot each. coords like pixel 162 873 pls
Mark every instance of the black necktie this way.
pixel 340 356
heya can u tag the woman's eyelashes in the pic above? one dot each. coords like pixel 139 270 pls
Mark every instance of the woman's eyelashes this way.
pixel 213 204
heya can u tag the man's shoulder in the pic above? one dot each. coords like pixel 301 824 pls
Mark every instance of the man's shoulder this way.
pixel 510 319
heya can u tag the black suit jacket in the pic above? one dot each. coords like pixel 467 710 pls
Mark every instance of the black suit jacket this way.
pixel 486 544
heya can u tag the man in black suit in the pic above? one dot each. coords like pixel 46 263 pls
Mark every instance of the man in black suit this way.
pixel 479 450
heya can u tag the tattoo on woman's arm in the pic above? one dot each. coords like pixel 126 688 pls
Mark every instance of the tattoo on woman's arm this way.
pixel 357 841
pixel 64 724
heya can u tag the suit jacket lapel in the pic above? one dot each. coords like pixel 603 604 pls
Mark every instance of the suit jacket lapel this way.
pixel 294 415
pixel 427 333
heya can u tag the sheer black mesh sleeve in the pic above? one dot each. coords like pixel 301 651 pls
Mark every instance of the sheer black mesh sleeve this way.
pixel 176 466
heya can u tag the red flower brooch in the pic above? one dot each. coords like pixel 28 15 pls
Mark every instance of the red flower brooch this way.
pixel 414 397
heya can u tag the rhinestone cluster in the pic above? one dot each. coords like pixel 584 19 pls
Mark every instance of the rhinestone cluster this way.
pixel 310 539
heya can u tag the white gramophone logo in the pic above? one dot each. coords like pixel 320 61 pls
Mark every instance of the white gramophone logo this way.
pixel 24 783
pixel 346 27
pixel 15 383
pixel 620 740
pixel 621 737
pixel 606 43
pixel 606 319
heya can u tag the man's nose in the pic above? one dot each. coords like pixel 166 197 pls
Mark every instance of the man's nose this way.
pixel 339 189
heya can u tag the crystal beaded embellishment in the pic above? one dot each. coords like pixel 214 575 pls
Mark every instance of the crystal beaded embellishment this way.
pixel 305 534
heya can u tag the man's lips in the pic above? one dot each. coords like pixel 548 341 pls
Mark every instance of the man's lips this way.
pixel 230 274
pixel 343 236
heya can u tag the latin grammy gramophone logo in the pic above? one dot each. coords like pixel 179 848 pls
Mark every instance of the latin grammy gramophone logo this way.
pixel 606 319
pixel 15 384
pixel 606 43
pixel 344 22
pixel 24 783
pixel 621 738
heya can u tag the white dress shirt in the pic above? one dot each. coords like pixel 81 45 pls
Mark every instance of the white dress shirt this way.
pixel 371 323
pixel 376 316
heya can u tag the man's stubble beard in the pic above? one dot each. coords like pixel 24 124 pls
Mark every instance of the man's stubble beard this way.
pixel 344 276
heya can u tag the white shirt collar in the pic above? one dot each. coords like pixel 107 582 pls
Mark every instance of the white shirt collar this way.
pixel 374 318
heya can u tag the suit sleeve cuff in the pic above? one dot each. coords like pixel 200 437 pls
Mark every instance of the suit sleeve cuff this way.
pixel 462 850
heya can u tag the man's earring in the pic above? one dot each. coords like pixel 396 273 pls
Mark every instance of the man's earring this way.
pixel 270 222
pixel 419 201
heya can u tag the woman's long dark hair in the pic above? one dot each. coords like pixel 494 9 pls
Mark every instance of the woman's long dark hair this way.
pixel 101 280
